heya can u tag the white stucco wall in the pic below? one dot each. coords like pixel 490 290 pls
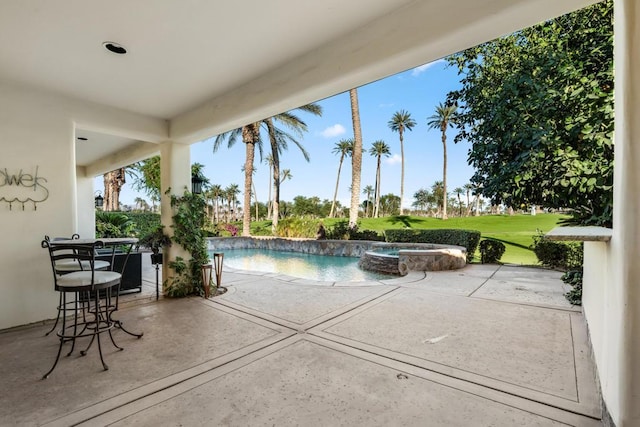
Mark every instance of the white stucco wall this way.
pixel 34 132
pixel 37 130
pixel 614 320
pixel 595 282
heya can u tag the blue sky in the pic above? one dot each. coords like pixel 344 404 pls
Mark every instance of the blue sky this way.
pixel 418 91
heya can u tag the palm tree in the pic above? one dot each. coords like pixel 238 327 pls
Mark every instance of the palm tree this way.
pixel 422 197
pixel 443 118
pixel 437 190
pixel 278 141
pixel 459 191
pixel 378 149
pixel 215 193
pixel 231 193
pixel 368 190
pixel 344 148
pixel 467 188
pixel 285 175
pixel 356 159
pixel 400 122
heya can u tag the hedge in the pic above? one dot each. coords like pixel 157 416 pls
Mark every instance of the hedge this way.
pixel 466 238
pixel 145 222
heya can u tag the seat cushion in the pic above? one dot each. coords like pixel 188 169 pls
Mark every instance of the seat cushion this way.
pixel 79 279
pixel 71 265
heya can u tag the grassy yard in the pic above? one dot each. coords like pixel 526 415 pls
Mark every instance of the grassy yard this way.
pixel 515 231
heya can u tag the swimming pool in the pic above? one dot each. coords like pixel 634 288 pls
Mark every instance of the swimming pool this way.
pixel 296 264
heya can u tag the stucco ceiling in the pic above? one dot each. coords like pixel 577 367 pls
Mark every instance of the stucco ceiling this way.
pixel 207 66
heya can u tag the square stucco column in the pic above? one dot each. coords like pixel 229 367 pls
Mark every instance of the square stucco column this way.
pixel 621 377
pixel 175 174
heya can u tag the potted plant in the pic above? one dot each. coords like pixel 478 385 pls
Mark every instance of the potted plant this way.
pixel 155 240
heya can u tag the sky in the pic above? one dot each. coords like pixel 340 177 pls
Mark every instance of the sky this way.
pixel 417 91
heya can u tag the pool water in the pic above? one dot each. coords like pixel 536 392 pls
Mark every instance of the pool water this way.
pixel 296 264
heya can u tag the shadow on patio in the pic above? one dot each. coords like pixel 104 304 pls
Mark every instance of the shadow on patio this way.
pixel 486 345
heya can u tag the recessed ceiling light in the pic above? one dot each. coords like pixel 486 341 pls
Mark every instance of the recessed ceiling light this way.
pixel 114 47
pixel 82 138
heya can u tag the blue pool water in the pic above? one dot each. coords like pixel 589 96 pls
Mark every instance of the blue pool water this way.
pixel 306 266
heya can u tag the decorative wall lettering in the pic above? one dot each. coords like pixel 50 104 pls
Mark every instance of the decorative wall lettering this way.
pixel 20 188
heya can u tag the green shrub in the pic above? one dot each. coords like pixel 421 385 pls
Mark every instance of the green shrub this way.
pixel 261 229
pixel 341 231
pixel 465 238
pixel 145 222
pixel 298 227
pixel 574 278
pixel 491 251
pixel 113 224
pixel 553 254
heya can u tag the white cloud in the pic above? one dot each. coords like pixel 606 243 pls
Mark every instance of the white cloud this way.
pixel 385 105
pixel 421 69
pixel 393 160
pixel 332 131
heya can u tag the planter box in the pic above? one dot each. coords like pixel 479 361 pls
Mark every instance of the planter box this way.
pixel 132 276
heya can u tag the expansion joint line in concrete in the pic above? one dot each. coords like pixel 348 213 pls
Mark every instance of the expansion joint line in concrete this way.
pixel 485 282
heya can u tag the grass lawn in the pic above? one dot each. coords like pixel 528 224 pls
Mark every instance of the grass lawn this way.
pixel 514 231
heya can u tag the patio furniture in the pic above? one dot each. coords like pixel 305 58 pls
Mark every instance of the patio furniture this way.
pixel 69 266
pixel 119 250
pixel 86 286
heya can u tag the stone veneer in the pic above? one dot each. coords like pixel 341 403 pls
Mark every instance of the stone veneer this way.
pixel 412 256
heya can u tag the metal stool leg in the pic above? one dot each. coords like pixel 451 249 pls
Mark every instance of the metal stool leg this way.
pixel 53 328
pixel 61 335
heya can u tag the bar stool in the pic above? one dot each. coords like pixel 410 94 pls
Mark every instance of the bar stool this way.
pixel 88 286
pixel 69 266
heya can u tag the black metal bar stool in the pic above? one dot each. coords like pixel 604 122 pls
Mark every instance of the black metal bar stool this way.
pixel 87 286
pixel 69 266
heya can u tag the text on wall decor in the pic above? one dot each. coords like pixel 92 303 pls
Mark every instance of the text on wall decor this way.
pixel 22 188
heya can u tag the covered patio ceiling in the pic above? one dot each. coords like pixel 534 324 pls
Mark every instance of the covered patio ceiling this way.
pixel 206 67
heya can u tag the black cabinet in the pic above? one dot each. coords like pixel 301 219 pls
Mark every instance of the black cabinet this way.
pixel 132 276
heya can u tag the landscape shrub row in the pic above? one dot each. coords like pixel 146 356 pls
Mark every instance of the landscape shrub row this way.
pixel 466 238
pixel 561 255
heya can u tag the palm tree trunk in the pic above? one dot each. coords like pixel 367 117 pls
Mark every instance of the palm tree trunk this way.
pixel 376 212
pixel 255 199
pixel 113 182
pixel 249 137
pixel 335 193
pixel 356 159
pixel 402 172
pixel 444 172
pixel 275 212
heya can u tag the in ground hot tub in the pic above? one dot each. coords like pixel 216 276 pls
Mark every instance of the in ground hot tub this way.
pixel 426 257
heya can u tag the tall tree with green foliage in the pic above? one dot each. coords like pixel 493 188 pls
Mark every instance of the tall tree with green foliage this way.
pixel 441 120
pixel 378 150
pixel 537 107
pixel 400 122
pixel 278 141
pixel 344 148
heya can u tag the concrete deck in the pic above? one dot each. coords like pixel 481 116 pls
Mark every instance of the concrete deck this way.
pixel 484 346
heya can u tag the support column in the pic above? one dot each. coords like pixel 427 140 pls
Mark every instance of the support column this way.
pixel 175 174
pixel 621 377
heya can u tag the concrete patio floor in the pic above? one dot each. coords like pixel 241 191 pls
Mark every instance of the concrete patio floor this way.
pixel 484 346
